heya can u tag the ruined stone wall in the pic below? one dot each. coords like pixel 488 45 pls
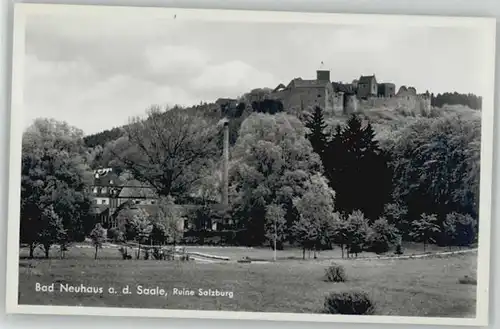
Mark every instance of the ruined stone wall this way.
pixel 351 104
pixel 425 103
pixel 329 106
pixel 338 103
pixel 308 98
pixel 409 104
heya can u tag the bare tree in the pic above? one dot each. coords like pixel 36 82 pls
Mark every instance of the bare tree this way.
pixel 169 149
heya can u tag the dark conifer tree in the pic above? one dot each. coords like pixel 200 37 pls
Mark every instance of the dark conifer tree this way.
pixel 358 170
pixel 317 135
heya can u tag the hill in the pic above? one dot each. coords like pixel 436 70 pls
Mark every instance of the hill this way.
pixel 384 119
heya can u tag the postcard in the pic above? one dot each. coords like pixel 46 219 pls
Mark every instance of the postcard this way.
pixel 233 164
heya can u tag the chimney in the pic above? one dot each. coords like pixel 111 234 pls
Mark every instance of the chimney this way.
pixel 225 167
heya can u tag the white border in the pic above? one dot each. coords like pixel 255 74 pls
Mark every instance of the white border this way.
pixel 487 29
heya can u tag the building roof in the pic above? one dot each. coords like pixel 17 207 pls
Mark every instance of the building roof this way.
pixel 100 208
pixel 105 191
pixel 279 87
pixel 300 83
pixel 154 209
pixel 106 177
pixel 366 78
pixel 151 209
pixel 137 190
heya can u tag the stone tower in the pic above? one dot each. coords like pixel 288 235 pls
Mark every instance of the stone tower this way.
pixel 323 75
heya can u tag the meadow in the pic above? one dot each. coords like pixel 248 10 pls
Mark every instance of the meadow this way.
pixel 401 287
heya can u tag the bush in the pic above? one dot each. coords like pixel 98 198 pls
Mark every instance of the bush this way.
pixel 349 302
pixel 467 280
pixel 336 273
pixel 115 235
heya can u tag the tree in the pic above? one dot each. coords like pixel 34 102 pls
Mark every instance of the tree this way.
pixel 169 149
pixel 316 215
pixel 396 214
pixel 317 136
pixel 306 231
pixel 358 230
pixel 436 164
pixel 272 162
pixel 275 225
pixel 51 230
pixel 136 224
pixel 170 217
pixel 158 233
pixel 425 229
pixel 358 170
pixel 100 139
pixel 382 235
pixel 467 230
pixel 55 175
pixel 126 222
pixel 470 100
pixel 114 234
pixel 98 237
pixel 450 229
pixel 340 232
pixel 459 229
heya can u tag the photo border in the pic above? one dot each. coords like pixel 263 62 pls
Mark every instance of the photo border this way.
pixel 488 32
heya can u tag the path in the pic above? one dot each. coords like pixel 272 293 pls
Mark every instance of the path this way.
pixel 213 258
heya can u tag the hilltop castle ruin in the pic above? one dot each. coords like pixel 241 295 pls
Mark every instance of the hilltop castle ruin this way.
pixel 341 98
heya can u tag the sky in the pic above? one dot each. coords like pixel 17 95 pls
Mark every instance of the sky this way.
pixel 96 72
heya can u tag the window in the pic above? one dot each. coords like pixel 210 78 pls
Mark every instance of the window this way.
pixel 137 201
pixel 104 190
pixel 104 201
pixel 95 190
pixel 111 182
pixel 153 201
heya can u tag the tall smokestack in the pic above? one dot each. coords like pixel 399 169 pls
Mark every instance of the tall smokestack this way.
pixel 225 167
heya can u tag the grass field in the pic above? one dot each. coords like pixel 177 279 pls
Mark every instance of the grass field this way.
pixel 417 287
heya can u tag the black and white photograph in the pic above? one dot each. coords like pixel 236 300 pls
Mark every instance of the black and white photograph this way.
pixel 250 165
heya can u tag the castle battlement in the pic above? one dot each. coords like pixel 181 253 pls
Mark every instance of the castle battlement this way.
pixel 343 98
